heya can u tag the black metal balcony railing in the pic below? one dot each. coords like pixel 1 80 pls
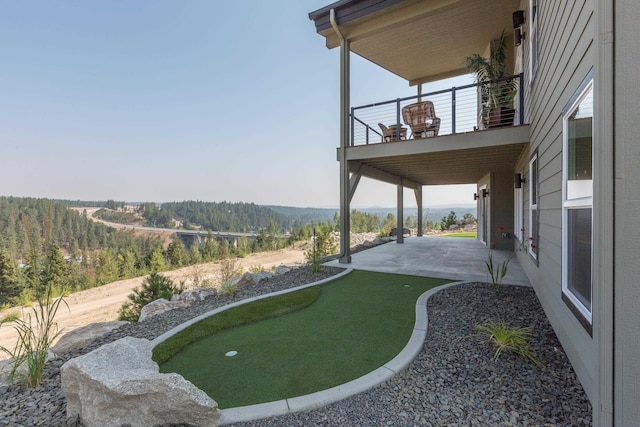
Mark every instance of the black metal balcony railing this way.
pixel 476 106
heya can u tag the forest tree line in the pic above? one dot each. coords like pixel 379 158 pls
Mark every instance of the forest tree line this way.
pixel 43 239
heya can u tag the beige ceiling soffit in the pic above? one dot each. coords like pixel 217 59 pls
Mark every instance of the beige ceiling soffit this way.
pixel 436 77
pixel 383 176
pixel 401 16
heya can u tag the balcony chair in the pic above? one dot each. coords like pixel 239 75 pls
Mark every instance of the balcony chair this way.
pixel 390 134
pixel 421 118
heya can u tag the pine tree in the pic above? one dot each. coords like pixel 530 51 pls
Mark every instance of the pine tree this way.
pixel 156 261
pixel 9 283
pixel 55 270
pixel 177 254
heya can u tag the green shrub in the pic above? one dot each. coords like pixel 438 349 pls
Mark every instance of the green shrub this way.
pixel 229 268
pixel 256 269
pixel 154 287
pixel 12 316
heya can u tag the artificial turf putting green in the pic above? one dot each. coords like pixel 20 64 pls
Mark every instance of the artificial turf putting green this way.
pixel 358 323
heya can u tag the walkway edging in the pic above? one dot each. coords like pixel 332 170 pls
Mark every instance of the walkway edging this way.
pixel 340 392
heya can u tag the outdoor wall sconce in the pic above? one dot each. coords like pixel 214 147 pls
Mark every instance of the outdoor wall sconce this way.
pixel 475 196
pixel 518 180
pixel 518 18
pixel 518 36
pixel 518 21
pixel 485 193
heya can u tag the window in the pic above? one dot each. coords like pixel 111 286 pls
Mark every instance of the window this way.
pixel 577 195
pixel 533 206
pixel 534 6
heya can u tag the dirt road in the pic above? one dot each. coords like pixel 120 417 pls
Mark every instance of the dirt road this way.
pixel 101 304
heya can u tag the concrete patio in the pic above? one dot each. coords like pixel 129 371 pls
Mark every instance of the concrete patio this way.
pixel 456 258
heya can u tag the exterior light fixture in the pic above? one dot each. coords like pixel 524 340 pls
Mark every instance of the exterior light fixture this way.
pixel 518 18
pixel 518 21
pixel 518 180
pixel 518 36
pixel 475 196
pixel 485 193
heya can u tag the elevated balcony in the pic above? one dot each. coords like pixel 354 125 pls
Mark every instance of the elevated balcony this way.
pixel 457 110
pixel 469 142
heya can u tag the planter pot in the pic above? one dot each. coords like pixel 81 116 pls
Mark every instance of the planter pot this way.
pixel 499 117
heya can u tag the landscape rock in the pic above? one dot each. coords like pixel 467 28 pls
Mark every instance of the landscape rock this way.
pixel 195 295
pixel 159 306
pixel 470 228
pixel 257 277
pixel 281 269
pixel 80 337
pixel 246 280
pixel 118 384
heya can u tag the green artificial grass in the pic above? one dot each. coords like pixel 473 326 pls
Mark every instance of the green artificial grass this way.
pixel 474 235
pixel 360 322
pixel 245 314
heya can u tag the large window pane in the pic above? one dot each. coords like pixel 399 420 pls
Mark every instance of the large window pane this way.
pixel 579 146
pixel 579 254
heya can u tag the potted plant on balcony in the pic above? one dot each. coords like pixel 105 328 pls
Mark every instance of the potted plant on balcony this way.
pixel 497 96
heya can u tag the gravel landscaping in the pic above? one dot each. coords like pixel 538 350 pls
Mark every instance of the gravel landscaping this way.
pixel 453 381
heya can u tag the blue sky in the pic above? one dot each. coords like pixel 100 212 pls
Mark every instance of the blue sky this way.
pixel 179 100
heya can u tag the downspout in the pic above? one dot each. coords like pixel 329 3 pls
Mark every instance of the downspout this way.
pixel 332 19
pixel 345 231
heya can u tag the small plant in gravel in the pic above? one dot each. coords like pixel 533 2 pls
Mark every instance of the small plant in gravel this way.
pixel 229 287
pixel 154 287
pixel 497 270
pixel 506 338
pixel 254 269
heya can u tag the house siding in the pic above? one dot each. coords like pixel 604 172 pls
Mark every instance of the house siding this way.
pixel 566 34
pixel 627 215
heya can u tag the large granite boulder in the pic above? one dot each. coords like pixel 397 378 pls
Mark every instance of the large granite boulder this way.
pixel 80 337
pixel 118 384
pixel 159 306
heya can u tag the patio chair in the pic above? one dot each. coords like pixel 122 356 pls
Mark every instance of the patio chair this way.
pixel 421 118
pixel 390 133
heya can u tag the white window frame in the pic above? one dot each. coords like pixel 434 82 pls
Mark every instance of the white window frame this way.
pixel 582 202
pixel 533 37
pixel 518 212
pixel 533 207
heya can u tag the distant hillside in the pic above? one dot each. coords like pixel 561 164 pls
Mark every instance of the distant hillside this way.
pixel 310 215
pixel 433 213
pixel 305 215
pixel 226 216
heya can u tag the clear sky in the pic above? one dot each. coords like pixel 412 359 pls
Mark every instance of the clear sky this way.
pixel 154 100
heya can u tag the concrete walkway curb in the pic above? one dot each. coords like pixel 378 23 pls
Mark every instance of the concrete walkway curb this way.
pixel 359 385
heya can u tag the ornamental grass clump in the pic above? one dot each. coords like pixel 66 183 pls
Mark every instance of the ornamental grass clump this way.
pixel 497 270
pixel 36 332
pixel 511 339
